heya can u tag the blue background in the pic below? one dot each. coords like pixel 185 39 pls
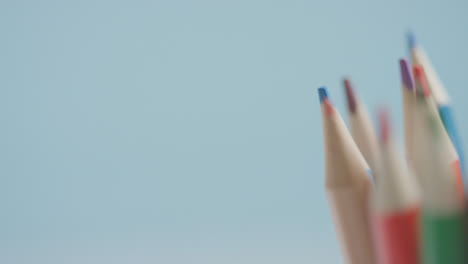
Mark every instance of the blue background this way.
pixel 190 131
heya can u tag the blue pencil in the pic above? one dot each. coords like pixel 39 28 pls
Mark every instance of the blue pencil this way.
pixel 441 97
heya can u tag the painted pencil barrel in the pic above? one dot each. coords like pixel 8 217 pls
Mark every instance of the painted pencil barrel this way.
pixel 352 223
pixel 397 237
pixel 445 238
pixel 446 115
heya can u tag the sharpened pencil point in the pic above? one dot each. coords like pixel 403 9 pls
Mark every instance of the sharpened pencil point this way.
pixel 411 38
pixel 418 72
pixel 350 95
pixel 323 93
pixel 422 87
pixel 384 120
pixel 406 75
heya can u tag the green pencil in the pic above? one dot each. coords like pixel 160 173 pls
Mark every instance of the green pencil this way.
pixel 444 239
pixel 436 162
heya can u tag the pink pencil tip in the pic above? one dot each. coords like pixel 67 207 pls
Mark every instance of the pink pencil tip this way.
pixel 329 109
pixel 384 120
pixel 422 87
pixel 351 96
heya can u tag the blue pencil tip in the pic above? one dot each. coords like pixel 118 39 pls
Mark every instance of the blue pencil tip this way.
pixel 323 93
pixel 411 39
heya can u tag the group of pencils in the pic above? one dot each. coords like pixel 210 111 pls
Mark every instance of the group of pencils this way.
pixel 392 206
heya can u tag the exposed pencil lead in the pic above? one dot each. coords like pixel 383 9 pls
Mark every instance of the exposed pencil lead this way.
pixel 406 75
pixel 422 87
pixel 350 95
pixel 323 93
pixel 411 38
pixel 384 121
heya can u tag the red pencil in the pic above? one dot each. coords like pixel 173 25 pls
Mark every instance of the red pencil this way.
pixel 396 205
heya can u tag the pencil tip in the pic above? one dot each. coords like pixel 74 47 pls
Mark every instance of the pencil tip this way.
pixel 350 95
pixel 406 76
pixel 323 93
pixel 384 121
pixel 418 72
pixel 422 87
pixel 411 38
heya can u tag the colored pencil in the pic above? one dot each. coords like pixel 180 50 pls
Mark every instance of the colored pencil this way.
pixel 419 57
pixel 416 212
pixel 440 95
pixel 396 204
pixel 437 163
pixel 347 184
pixel 362 128
pixel 407 83
pixel 425 106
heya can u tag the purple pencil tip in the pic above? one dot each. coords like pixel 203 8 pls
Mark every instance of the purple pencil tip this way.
pixel 406 74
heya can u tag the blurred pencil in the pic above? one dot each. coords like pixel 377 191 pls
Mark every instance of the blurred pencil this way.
pixel 396 204
pixel 419 57
pixel 438 166
pixel 440 95
pixel 362 128
pixel 407 83
pixel 347 184
pixel 425 106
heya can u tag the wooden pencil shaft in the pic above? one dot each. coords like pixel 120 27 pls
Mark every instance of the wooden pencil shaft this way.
pixel 364 135
pixel 347 184
pixel 351 219
pixel 408 105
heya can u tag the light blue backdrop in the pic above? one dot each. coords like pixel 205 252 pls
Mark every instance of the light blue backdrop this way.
pixel 189 131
